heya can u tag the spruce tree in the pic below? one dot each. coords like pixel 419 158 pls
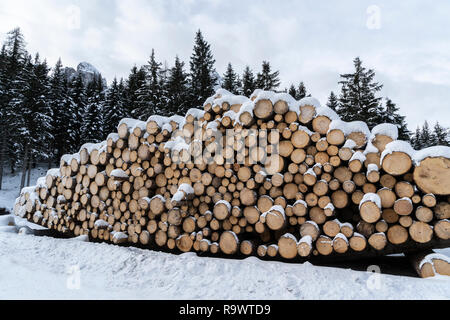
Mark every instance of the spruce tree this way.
pixel 415 139
pixel 202 75
pixel 114 110
pixel 231 80
pixel 333 102
pixel 92 124
pixel 426 137
pixel 301 91
pixel 59 94
pixel 391 115
pixel 248 82
pixel 77 109
pixel 135 81
pixel 14 84
pixel 268 80
pixel 358 100
pixel 150 93
pixel 441 135
pixel 292 91
pixel 36 114
pixel 177 89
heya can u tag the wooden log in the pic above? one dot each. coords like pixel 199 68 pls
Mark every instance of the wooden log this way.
pixel 421 232
pixel 397 234
pixel 229 243
pixel 442 229
pixel 428 264
pixel 287 246
pixel 397 163
pixel 433 176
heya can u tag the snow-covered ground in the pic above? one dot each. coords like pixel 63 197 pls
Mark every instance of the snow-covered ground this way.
pixel 45 268
pixel 11 185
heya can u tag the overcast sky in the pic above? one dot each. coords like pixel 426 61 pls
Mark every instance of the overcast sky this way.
pixel 406 42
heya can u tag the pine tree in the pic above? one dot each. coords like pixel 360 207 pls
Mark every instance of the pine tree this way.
pixel 292 91
pixel 391 115
pixel 92 124
pixel 135 81
pixel 441 136
pixel 268 80
pixel 14 83
pixel 177 89
pixel 358 100
pixel 114 106
pixel 248 82
pixel 77 108
pixel 301 91
pixel 3 79
pixel 333 102
pixel 231 80
pixel 59 94
pixel 36 116
pixel 202 76
pixel 415 139
pixel 150 93
pixel 426 137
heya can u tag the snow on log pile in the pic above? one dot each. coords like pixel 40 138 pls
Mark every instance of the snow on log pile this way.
pixel 293 181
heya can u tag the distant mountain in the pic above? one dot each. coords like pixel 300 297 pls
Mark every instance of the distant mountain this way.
pixel 86 70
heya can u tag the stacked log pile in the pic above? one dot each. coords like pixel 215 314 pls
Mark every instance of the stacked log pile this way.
pixel 266 175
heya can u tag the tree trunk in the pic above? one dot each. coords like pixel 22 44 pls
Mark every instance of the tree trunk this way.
pixel 24 167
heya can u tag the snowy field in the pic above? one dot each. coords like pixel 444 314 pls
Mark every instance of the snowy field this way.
pixel 45 268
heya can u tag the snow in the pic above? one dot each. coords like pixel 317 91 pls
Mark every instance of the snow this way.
pixel 159 120
pixel 350 144
pixel 196 113
pixel 89 147
pixel 113 272
pixel 182 192
pixel 309 101
pixel 358 156
pixel 327 112
pixel 314 224
pixel 67 158
pixel 372 167
pixel 305 129
pixel 231 99
pixel 404 199
pixel 350 127
pixel 133 124
pixel 429 259
pixel 311 172
pixel 371 197
pixel 301 202
pixel 331 207
pixel 113 136
pixel 246 107
pixel 340 236
pixel 306 239
pixel 177 145
pixel 432 152
pixel 289 236
pixel 167 127
pixel 386 129
pixel 101 224
pixel 226 203
pixel 119 173
pixel 41 183
pixel 55 173
pixel 398 146
pixel 370 148
pixel 179 120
